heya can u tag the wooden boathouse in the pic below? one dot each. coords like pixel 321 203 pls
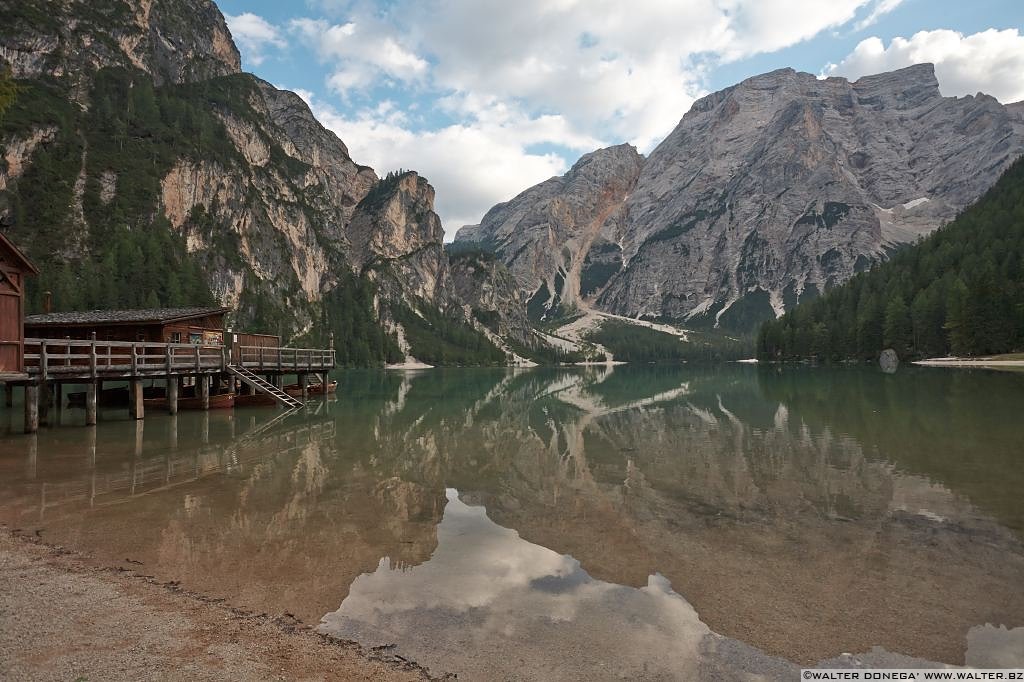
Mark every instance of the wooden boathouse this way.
pixel 196 326
pixel 184 348
pixel 14 269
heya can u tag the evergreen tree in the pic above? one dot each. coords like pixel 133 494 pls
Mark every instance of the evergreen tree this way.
pixel 898 330
pixel 960 291
pixel 8 90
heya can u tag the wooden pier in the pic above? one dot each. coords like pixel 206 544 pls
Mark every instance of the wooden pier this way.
pixel 213 369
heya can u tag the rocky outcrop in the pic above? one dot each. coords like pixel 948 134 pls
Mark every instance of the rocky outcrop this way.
pixel 283 205
pixel 18 151
pixel 767 192
pixel 493 296
pixel 397 241
pixel 175 41
pixel 264 196
pixel 557 238
pixel 273 212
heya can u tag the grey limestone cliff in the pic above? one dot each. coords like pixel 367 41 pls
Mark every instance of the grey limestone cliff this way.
pixel 558 238
pixel 765 193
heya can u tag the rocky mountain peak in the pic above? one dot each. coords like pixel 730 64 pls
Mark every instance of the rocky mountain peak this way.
pixel 595 163
pixel 766 192
pixel 175 41
pixel 904 88
pixel 395 217
pixel 544 235
pixel 396 237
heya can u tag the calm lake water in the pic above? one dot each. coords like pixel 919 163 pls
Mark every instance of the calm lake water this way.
pixel 653 522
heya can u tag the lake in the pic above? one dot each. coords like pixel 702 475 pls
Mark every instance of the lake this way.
pixel 654 522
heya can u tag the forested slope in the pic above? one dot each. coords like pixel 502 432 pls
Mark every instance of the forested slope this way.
pixel 959 291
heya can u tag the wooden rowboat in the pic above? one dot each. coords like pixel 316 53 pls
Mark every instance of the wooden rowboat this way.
pixel 295 391
pixel 221 401
pixel 108 397
pixel 114 397
pixel 254 400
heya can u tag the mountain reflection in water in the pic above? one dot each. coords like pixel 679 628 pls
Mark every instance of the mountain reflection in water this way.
pixel 804 512
pixel 487 596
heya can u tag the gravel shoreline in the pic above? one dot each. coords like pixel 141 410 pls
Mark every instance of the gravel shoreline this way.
pixel 63 619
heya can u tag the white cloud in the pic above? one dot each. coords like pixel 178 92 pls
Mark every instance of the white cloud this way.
pixel 881 8
pixel 623 71
pixel 991 61
pixel 496 80
pixel 363 52
pixel 254 35
pixel 472 165
pixel 757 26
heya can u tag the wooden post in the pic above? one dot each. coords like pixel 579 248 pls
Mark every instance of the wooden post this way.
pixel 135 360
pixel 204 391
pixel 90 403
pixel 304 385
pixel 92 358
pixel 43 395
pixel 8 395
pixel 136 408
pixel 43 360
pixel 31 408
pixel 172 395
pixel 326 384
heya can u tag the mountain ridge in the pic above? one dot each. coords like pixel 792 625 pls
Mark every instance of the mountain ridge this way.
pixel 772 190
pixel 143 168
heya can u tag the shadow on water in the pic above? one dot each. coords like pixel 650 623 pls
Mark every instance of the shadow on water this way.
pixel 798 512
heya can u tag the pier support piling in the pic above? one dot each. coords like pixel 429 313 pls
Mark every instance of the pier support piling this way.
pixel 304 385
pixel 326 384
pixel 31 408
pixel 172 395
pixel 204 391
pixel 8 395
pixel 136 407
pixel 90 403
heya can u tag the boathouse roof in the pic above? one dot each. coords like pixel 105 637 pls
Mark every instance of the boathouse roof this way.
pixel 15 254
pixel 102 317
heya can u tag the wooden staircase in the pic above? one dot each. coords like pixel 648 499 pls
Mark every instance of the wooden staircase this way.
pixel 262 386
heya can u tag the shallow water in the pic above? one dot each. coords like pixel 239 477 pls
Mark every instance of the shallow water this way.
pixel 652 521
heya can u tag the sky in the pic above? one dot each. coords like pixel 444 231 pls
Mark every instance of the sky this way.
pixel 485 98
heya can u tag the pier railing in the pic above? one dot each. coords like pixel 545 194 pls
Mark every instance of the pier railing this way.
pixel 55 358
pixel 72 358
pixel 285 359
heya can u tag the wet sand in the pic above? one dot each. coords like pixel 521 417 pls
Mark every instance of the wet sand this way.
pixel 63 619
